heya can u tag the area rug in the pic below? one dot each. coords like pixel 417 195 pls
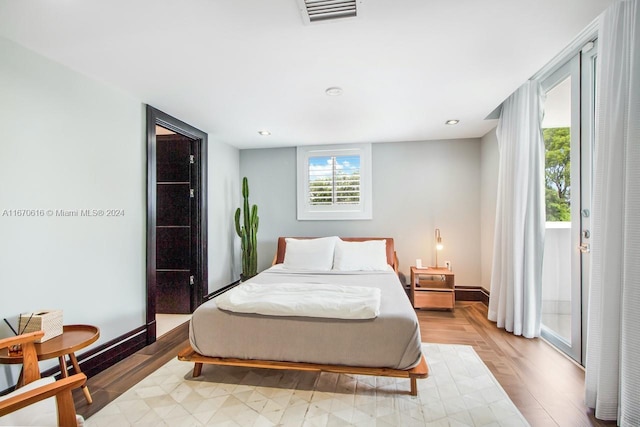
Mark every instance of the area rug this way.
pixel 460 391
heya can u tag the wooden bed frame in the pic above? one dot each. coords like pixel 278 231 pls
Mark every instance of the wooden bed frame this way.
pixel 413 374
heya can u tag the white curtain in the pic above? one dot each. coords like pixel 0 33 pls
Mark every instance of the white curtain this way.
pixel 516 277
pixel 613 341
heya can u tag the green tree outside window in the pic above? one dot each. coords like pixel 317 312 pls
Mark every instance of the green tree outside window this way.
pixel 557 176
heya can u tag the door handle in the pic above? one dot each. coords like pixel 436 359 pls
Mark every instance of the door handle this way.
pixel 585 248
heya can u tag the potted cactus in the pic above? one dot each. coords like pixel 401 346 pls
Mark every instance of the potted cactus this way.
pixel 247 233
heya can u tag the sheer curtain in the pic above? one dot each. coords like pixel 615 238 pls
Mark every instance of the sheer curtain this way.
pixel 515 302
pixel 613 341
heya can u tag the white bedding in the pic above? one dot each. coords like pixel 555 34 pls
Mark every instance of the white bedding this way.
pixel 391 340
pixel 279 268
pixel 329 301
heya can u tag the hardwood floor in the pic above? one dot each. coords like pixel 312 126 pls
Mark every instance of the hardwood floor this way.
pixel 112 382
pixel 546 386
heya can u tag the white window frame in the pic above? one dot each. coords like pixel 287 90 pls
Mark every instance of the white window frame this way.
pixel 361 211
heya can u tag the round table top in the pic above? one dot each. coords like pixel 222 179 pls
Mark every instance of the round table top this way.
pixel 73 338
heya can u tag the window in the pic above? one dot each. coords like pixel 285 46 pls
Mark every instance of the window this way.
pixel 334 182
pixel 557 135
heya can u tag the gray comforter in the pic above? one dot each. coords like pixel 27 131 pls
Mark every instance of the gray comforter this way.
pixel 391 340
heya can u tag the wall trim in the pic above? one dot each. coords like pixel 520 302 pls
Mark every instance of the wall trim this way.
pixel 221 290
pixel 99 358
pixel 472 293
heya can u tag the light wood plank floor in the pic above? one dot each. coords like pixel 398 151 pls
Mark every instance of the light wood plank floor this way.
pixel 545 385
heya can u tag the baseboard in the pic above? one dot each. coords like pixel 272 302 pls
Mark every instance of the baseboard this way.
pixel 472 293
pixel 108 354
pixel 221 290
pixel 101 357
pixel 467 293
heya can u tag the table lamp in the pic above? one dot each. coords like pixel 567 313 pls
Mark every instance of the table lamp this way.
pixel 438 245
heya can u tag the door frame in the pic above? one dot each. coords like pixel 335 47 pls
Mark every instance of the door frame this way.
pixel 573 346
pixel 581 68
pixel 588 70
pixel 155 118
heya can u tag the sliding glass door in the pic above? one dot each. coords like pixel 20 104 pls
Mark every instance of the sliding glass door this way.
pixel 568 136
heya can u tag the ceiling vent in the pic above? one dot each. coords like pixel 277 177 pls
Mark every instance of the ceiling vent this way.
pixel 328 10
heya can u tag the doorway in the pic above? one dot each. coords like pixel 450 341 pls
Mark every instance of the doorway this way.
pixel 176 217
pixel 568 131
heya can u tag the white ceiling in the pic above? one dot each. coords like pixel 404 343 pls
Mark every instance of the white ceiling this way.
pixel 233 67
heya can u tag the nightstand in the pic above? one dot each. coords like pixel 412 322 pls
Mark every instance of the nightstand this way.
pixel 432 288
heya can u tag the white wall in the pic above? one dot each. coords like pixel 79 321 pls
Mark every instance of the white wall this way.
pixel 489 192
pixel 417 186
pixel 68 142
pixel 224 195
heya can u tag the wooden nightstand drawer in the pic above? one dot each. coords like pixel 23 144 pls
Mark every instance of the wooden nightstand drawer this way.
pixel 434 299
pixel 432 288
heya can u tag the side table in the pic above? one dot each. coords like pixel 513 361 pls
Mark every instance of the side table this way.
pixel 432 293
pixel 73 338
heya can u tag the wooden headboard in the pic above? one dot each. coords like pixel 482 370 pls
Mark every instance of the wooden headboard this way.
pixel 392 260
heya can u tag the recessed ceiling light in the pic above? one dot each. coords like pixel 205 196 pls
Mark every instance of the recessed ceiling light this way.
pixel 264 132
pixel 452 122
pixel 334 91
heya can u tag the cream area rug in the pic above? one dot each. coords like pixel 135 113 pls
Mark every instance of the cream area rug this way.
pixel 460 391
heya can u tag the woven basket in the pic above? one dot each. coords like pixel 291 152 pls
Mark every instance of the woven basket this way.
pixel 48 321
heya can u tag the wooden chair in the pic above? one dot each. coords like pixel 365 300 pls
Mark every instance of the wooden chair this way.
pixel 38 401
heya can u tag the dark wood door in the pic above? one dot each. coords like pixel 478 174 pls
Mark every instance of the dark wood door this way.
pixel 175 220
pixel 177 260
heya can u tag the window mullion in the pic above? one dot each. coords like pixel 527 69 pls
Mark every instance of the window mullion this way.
pixel 333 180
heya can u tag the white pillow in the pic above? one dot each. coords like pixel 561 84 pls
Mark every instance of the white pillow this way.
pixel 370 255
pixel 309 254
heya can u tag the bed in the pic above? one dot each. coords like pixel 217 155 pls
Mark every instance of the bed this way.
pixel 386 343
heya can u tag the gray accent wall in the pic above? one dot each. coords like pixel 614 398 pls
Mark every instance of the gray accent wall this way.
pixel 417 186
pixel 490 158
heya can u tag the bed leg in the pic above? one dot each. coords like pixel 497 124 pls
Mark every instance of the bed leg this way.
pixel 197 369
pixel 414 386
